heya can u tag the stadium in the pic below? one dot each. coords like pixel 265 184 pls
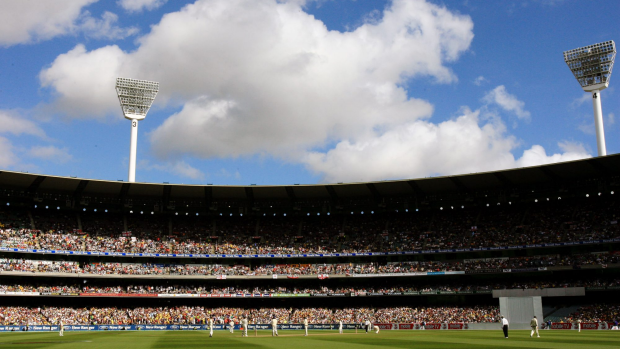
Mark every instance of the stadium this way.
pixel 428 254
pixel 452 194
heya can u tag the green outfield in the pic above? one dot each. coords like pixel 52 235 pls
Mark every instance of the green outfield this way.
pixel 316 339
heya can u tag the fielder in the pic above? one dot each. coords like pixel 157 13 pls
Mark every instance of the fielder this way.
pixel 340 327
pixel 61 329
pixel 306 326
pixel 376 328
pixel 534 326
pixel 579 325
pixel 210 327
pixel 274 326
pixel 231 325
pixel 244 322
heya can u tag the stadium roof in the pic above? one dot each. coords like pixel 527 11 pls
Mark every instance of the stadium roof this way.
pixel 538 176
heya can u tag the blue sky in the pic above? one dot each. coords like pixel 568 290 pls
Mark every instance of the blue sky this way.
pixel 284 92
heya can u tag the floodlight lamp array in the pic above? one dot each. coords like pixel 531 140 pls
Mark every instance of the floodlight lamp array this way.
pixel 592 64
pixel 136 96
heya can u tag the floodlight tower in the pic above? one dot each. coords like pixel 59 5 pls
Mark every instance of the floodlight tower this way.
pixel 136 97
pixel 592 67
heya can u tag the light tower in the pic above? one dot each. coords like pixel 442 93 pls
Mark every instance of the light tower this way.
pixel 592 67
pixel 136 97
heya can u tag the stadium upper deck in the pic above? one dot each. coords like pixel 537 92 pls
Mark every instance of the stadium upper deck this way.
pixel 531 207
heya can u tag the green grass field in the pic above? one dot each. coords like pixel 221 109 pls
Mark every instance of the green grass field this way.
pixel 317 339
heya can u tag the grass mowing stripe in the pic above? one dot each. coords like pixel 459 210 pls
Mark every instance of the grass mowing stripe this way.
pixel 317 339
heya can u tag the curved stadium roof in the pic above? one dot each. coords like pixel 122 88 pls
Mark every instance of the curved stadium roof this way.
pixel 563 177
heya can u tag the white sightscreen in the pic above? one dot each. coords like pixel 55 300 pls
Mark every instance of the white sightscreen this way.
pixel 521 310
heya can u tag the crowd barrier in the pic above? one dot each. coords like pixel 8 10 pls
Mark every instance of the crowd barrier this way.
pixel 243 295
pixel 584 326
pixel 305 255
pixel 251 327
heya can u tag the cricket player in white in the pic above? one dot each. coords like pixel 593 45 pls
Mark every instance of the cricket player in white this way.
pixel 274 326
pixel 579 325
pixel 340 327
pixel 534 326
pixel 231 324
pixel 306 326
pixel 211 327
pixel 505 326
pixel 376 328
pixel 367 325
pixel 61 328
pixel 245 326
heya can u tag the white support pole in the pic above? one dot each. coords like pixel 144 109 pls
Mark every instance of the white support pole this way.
pixel 598 123
pixel 132 150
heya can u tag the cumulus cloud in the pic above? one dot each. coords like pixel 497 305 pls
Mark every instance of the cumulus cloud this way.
pixel 85 81
pixel 140 5
pixel 264 77
pixel 508 102
pixel 23 21
pixel 50 153
pixel 27 21
pixel 289 83
pixel 537 155
pixel 419 149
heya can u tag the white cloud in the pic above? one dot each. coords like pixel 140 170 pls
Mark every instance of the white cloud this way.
pixel 50 153
pixel 507 102
pixel 27 21
pixel 227 174
pixel 7 155
pixel 537 156
pixel 139 5
pixel 586 97
pixel 421 149
pixel 587 128
pixel 12 122
pixel 180 168
pixel 480 80
pixel 611 118
pixel 105 27
pixel 186 170
pixel 85 81
pixel 23 21
pixel 264 77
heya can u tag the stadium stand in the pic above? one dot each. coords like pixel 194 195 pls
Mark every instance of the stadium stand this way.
pixel 435 250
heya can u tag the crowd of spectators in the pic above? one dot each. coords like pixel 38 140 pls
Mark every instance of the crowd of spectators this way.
pixel 200 315
pixel 467 265
pixel 595 313
pixel 75 288
pixel 445 229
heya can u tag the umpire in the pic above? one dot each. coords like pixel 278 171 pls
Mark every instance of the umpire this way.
pixel 505 326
